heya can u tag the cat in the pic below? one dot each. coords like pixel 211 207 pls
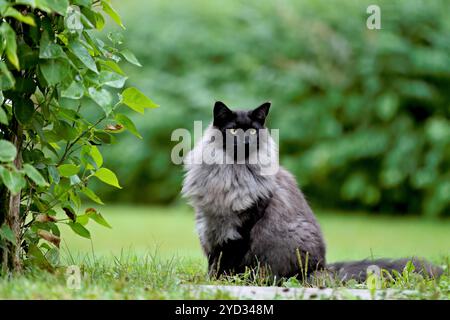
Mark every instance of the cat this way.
pixel 245 218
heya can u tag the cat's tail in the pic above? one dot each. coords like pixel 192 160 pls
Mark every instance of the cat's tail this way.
pixel 358 270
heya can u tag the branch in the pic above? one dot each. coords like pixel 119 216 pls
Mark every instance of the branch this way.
pixel 71 144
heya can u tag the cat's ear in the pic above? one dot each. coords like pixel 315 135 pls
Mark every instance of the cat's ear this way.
pixel 221 113
pixel 260 113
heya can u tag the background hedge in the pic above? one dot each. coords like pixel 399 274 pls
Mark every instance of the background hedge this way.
pixel 363 114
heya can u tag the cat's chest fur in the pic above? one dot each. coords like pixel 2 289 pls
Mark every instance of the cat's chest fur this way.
pixel 224 197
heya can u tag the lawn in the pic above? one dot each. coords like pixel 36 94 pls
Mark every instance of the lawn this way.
pixel 170 231
pixel 153 252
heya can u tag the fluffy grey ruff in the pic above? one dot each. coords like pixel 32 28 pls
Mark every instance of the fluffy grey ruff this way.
pixel 286 237
pixel 220 192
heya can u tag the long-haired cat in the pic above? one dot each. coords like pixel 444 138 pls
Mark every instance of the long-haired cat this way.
pixel 246 216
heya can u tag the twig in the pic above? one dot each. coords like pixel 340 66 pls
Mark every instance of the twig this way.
pixel 71 144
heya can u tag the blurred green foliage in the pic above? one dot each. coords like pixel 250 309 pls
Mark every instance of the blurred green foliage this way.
pixel 363 114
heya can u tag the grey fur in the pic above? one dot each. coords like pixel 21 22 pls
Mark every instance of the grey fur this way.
pixel 220 192
pixel 357 269
pixel 286 237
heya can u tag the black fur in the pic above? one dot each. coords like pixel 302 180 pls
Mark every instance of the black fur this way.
pixel 228 258
pixel 226 119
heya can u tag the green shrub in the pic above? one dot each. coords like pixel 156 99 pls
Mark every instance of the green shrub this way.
pixel 363 114
pixel 60 98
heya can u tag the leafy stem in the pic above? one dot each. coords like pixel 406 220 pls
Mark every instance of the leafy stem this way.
pixel 70 145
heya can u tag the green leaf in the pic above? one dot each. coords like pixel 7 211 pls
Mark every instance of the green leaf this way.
pixel 59 6
pixel 69 114
pixel 67 170
pixel 104 137
pixel 34 156
pixel 107 176
pixel 91 195
pixel 99 21
pixel 36 257
pixel 87 159
pixel 96 155
pixel 74 180
pixel 55 71
pixel 74 196
pixel 111 79
pixel 11 45
pixel 84 3
pixel 53 256
pixel 54 174
pixel 34 4
pixel 112 13
pixel 13 180
pixel 113 66
pixel 8 151
pixel 136 100
pixel 90 20
pixel 34 175
pixel 128 124
pixel 49 49
pixel 11 12
pixel 97 217
pixel 79 229
pixel 7 233
pixel 7 80
pixel 25 86
pixel 74 91
pixel 3 117
pixel 64 130
pixel 130 57
pixel 23 110
pixel 83 219
pixel 28 57
pixel 103 98
pixel 136 108
pixel 3 5
pixel 83 55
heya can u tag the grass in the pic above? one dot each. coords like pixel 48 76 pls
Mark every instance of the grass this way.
pixel 152 251
pixel 348 236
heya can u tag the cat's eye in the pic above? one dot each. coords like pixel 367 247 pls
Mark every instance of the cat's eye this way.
pixel 252 131
pixel 233 131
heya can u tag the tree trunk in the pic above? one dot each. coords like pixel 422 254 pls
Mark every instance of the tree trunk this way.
pixel 10 258
pixel 3 210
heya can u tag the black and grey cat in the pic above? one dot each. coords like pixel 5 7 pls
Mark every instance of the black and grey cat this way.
pixel 245 217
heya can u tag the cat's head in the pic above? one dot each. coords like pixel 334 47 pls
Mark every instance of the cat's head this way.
pixel 241 128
